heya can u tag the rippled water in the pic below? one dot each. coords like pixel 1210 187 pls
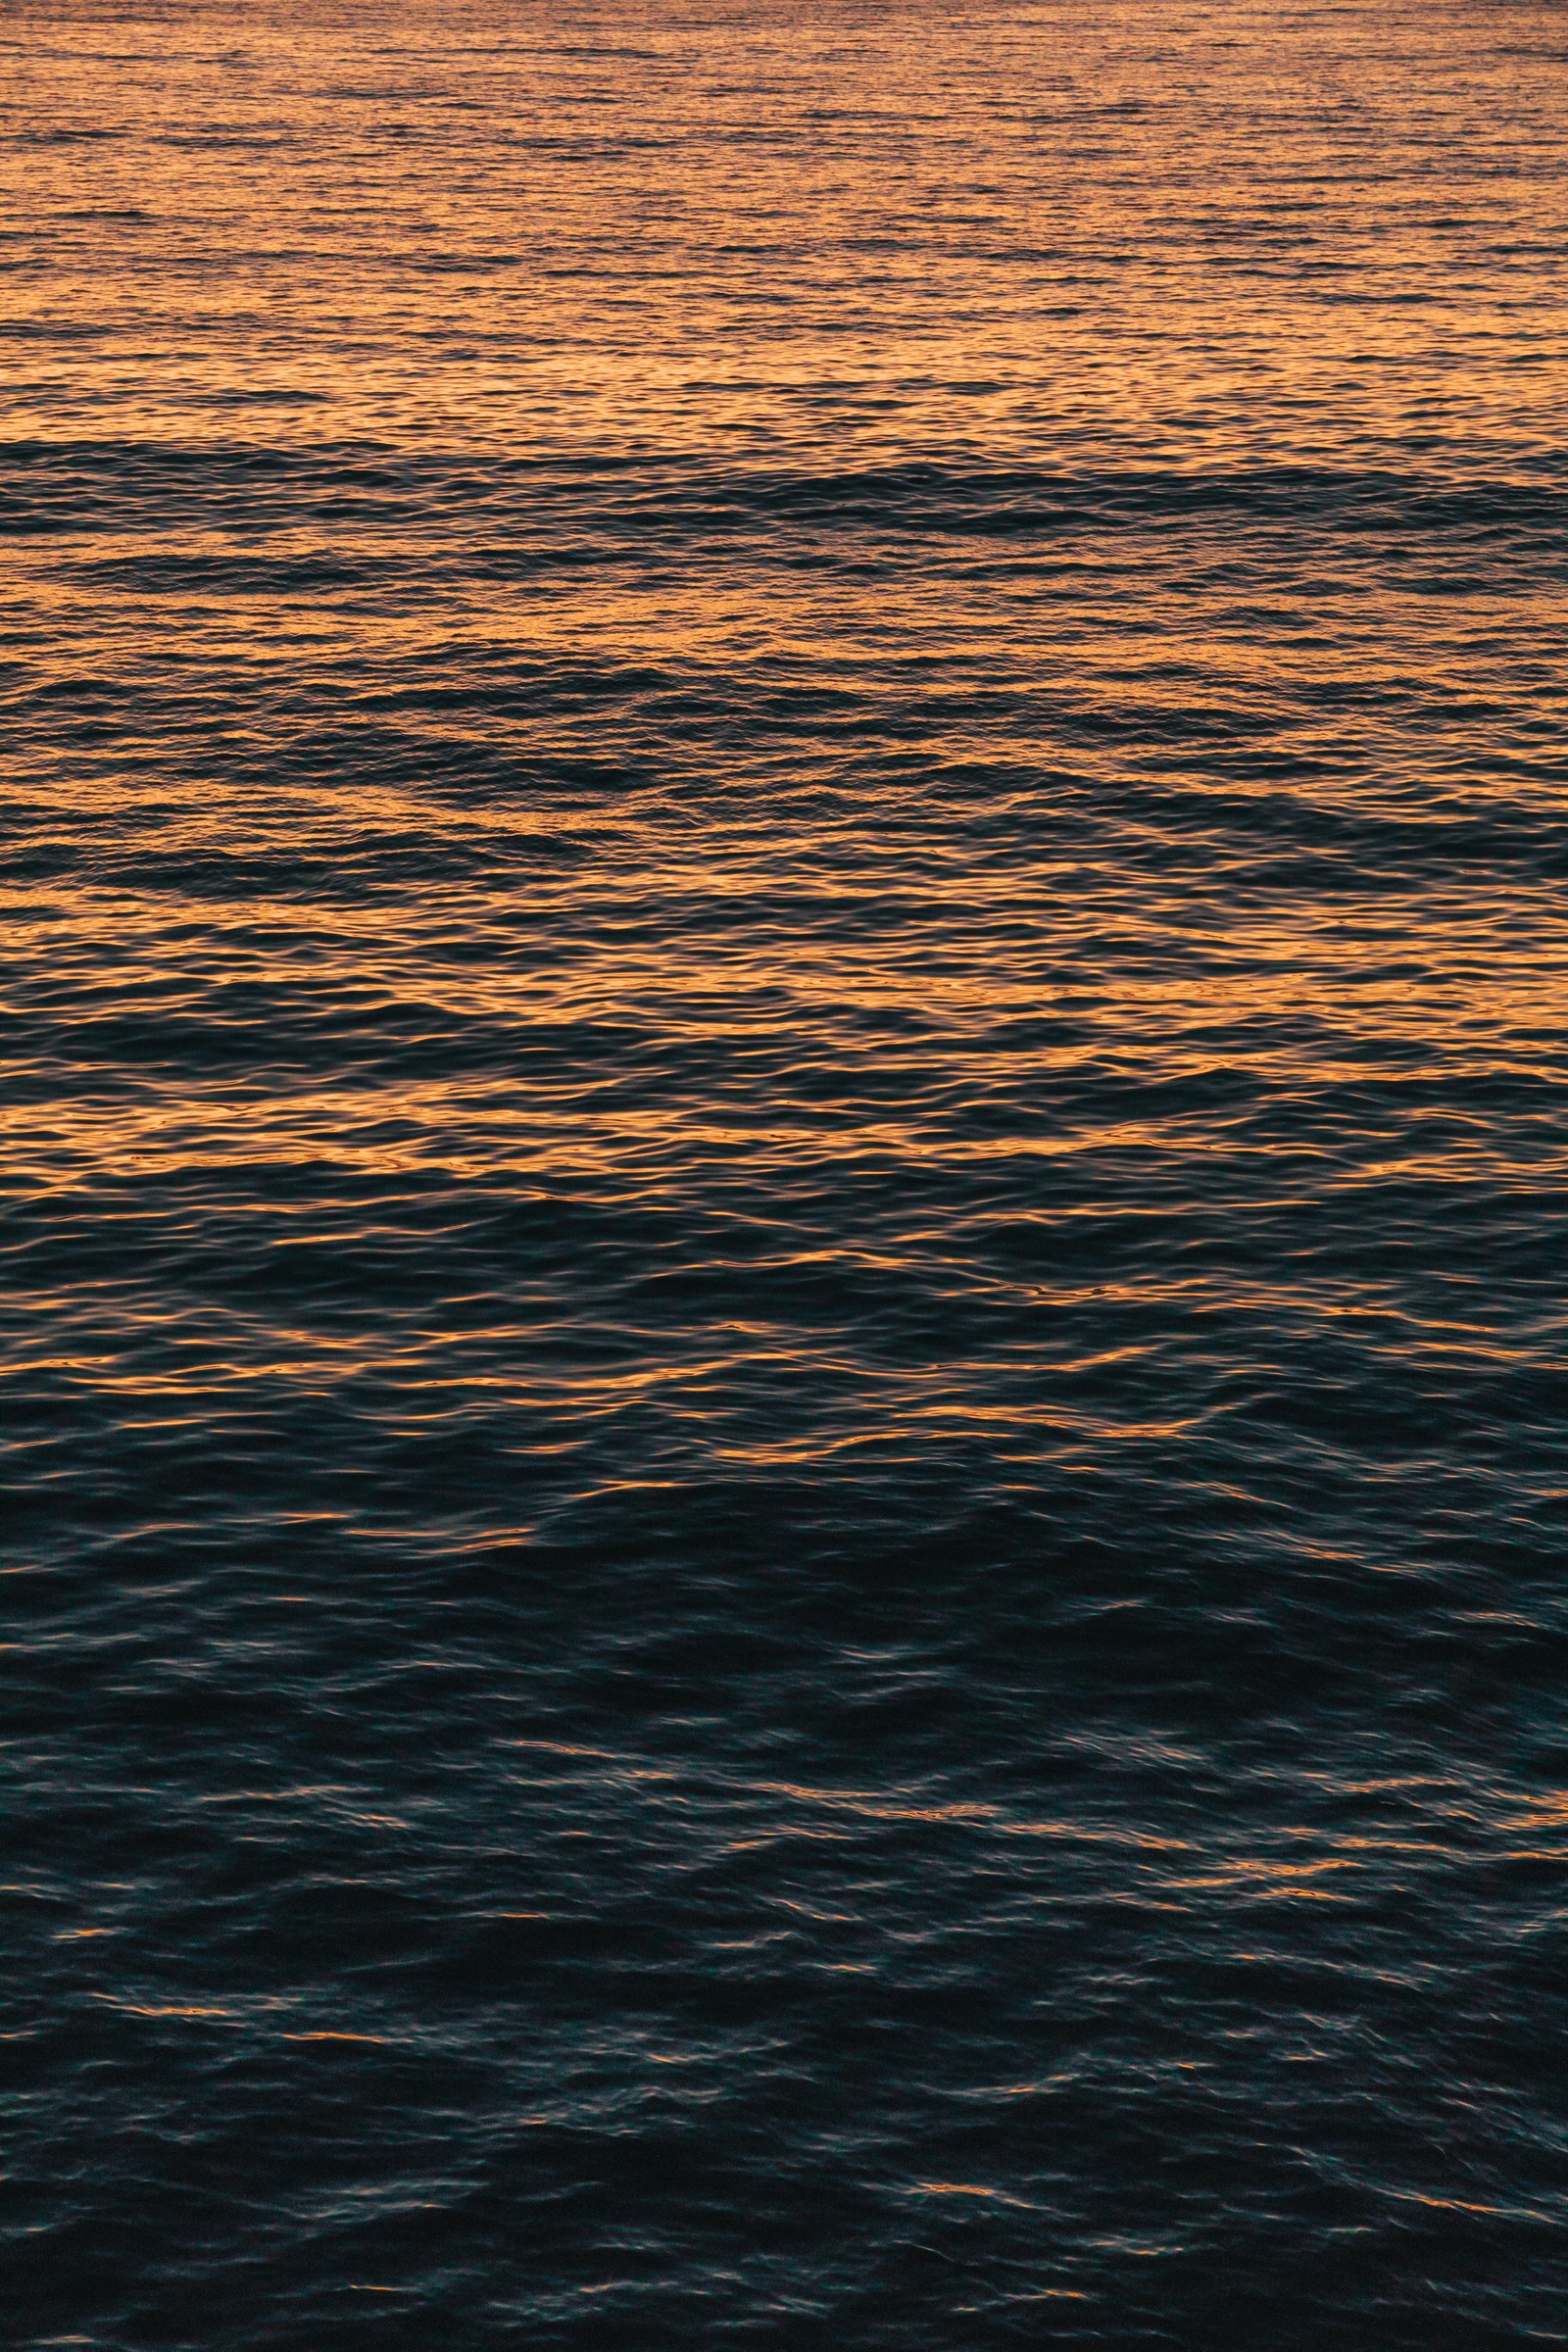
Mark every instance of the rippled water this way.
pixel 785 1175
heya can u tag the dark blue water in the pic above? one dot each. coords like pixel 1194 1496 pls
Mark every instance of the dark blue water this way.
pixel 785 1208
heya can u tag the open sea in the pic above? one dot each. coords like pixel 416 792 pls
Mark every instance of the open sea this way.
pixel 786 1178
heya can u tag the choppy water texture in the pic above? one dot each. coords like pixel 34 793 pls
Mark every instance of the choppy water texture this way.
pixel 786 1176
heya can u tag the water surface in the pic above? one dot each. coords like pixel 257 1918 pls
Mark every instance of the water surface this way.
pixel 785 1175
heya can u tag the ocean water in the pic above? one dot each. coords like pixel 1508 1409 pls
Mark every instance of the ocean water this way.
pixel 784 1182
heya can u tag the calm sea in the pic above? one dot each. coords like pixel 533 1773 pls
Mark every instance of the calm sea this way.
pixel 786 1403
